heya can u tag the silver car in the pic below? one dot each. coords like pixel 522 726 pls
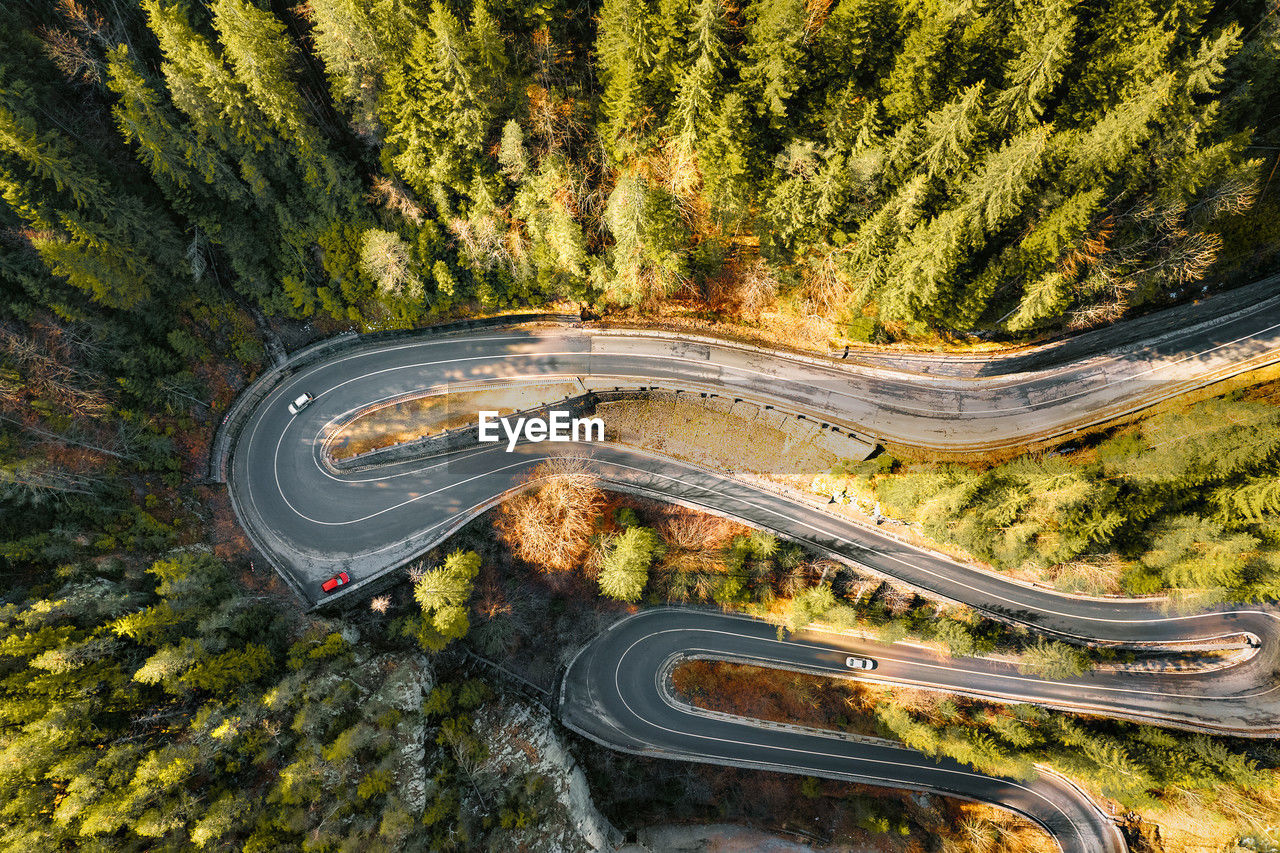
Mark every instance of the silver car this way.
pixel 299 404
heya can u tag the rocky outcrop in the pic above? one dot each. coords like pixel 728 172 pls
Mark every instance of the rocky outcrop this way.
pixel 522 739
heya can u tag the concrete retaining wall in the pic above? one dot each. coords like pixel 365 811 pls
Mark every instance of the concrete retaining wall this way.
pixel 228 431
pixel 461 438
pixel 841 443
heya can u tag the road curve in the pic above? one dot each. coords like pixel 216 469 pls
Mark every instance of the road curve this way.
pixel 617 692
pixel 313 521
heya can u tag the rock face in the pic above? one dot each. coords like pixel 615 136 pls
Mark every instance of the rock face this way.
pixel 521 739
pixel 404 688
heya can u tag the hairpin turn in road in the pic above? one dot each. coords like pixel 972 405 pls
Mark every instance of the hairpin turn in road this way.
pixel 316 522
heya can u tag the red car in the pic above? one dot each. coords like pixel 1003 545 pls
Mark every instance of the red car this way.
pixel 336 581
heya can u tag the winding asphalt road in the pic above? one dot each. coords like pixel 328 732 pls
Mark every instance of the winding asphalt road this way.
pixel 616 692
pixel 313 521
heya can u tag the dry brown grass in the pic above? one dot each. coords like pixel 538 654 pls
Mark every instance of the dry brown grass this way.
pixel 550 525
pixel 416 417
pixel 989 830
pixel 1204 820
pixel 394 424
pixel 689 530
pixel 1097 575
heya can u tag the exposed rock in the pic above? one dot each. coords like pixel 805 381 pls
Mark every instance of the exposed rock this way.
pixel 404 688
pixel 522 739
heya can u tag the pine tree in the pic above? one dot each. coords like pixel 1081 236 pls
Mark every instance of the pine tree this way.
pixel 439 108
pixel 296 184
pixel 100 235
pixel 995 194
pixel 1042 41
pixel 223 673
pixel 488 47
pixel 669 26
pixel 922 66
pixel 624 572
pixel 923 266
pixel 197 178
pixel 1036 260
pixel 1197 554
pixel 511 152
pixel 1101 150
pixel 261 56
pixel 650 253
pixel 724 161
pixel 1254 500
pixel 358 43
pixel 698 90
pixel 626 49
pixel 1055 661
pixel 443 594
pixel 950 132
pixel 775 51
pixel 1042 299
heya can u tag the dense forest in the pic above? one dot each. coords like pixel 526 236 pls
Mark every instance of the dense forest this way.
pixel 990 166
pixel 183 179
pixel 189 712
pixel 1186 501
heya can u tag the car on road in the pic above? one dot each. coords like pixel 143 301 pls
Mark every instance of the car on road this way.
pixel 299 404
pixel 340 579
pixel 859 663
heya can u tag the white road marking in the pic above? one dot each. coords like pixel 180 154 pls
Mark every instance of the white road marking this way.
pixel 790 522
pixel 918 767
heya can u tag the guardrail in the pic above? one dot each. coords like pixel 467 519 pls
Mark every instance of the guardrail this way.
pixel 459 438
pixel 228 430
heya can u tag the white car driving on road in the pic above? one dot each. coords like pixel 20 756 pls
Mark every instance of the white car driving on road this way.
pixel 859 663
pixel 299 404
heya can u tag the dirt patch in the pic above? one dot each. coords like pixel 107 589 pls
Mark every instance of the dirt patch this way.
pixel 778 696
pixel 731 437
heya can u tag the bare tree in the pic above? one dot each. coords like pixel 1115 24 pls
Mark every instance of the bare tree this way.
pixel 550 525
pixel 393 196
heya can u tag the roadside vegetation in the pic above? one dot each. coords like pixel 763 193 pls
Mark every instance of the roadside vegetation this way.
pixel 1181 792
pixel 1184 502
pixel 639 792
pixel 189 189
pixel 1188 787
pixel 640 552
pixel 530 617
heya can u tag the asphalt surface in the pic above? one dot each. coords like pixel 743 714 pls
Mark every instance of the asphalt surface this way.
pixel 313 521
pixel 616 692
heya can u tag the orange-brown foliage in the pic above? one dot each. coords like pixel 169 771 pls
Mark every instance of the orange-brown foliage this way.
pixel 550 525
pixel 776 695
